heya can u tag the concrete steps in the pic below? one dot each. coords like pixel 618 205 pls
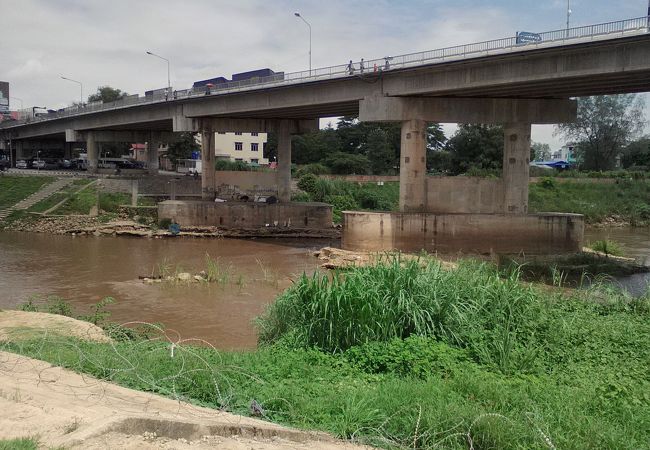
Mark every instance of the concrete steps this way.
pixel 45 192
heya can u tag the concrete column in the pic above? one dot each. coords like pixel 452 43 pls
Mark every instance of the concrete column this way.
pixel 413 167
pixel 152 157
pixel 134 192
pixel 207 165
pixel 284 161
pixel 91 152
pixel 516 160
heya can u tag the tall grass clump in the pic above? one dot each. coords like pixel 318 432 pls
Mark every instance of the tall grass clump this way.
pixel 608 247
pixel 470 307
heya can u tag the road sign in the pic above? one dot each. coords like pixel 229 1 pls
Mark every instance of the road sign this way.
pixel 524 37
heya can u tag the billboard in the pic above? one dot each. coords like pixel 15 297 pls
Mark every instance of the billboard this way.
pixel 4 97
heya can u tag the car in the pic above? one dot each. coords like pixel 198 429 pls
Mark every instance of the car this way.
pixel 38 164
pixel 22 164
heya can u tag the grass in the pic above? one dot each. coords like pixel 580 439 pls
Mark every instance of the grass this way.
pixel 607 247
pixel 58 197
pixel 627 199
pixel 345 195
pixel 14 188
pixel 19 444
pixel 410 356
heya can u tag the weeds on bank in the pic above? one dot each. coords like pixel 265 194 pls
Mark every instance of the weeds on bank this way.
pixel 418 357
pixel 607 247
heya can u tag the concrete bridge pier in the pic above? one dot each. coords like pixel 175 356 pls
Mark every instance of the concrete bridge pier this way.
pixel 284 161
pixel 208 175
pixel 152 154
pixel 464 214
pixel 516 167
pixel 91 152
pixel 413 166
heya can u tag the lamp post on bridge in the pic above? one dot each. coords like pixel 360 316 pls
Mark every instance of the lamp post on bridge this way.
pixel 568 16
pixel 169 84
pixel 81 88
pixel 297 14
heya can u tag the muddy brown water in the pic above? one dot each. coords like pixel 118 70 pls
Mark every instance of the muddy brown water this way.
pixel 83 270
pixel 635 243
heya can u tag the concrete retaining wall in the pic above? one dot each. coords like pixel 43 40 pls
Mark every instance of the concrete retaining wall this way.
pixel 230 183
pixel 548 233
pixel 465 195
pixel 246 215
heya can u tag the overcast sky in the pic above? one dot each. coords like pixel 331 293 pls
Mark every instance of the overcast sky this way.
pixel 103 42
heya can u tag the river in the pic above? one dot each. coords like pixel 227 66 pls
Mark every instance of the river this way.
pixel 85 269
pixel 635 243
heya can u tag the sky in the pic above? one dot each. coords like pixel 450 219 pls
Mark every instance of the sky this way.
pixel 101 42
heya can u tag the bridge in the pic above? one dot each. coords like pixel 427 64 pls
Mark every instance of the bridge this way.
pixel 502 81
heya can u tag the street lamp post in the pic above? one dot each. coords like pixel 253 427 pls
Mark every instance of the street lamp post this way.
pixel 169 84
pixel 297 14
pixel 81 88
pixel 568 16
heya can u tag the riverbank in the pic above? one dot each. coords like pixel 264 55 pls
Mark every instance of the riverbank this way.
pixel 416 356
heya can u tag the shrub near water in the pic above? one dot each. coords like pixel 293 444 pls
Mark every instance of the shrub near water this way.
pixel 469 307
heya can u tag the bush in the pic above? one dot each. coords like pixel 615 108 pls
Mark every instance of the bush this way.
pixel 607 247
pixel 238 166
pixel 548 183
pixel 315 169
pixel 414 356
pixel 307 183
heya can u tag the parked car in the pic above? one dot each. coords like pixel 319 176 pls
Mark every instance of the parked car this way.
pixel 22 164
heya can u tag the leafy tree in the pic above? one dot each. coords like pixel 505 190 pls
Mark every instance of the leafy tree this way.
pixel 540 152
pixel 476 146
pixel 106 94
pixel 605 124
pixel 346 164
pixel 439 161
pixel 379 151
pixel 435 137
pixel 183 148
pixel 270 150
pixel 314 147
pixel 637 154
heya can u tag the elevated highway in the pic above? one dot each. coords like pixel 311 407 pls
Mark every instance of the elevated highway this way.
pixel 504 81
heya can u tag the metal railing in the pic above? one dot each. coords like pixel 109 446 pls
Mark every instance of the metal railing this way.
pixel 371 67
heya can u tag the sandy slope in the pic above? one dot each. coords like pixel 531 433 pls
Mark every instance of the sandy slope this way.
pixel 62 408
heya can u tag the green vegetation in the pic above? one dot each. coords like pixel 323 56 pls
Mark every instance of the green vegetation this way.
pixel 16 188
pixel 607 247
pixel 408 355
pixel 344 195
pixel 627 199
pixel 239 166
pixel 59 196
pixel 19 444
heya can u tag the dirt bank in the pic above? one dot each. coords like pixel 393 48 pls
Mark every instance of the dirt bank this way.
pixel 84 225
pixel 62 408
pixel 20 325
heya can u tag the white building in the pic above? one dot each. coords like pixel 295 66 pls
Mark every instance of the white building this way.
pixel 246 147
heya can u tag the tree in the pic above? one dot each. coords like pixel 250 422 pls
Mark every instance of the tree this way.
pixel 605 124
pixel 637 154
pixel 114 149
pixel 540 152
pixel 476 146
pixel 345 164
pixel 183 148
pixel 378 150
pixel 436 138
pixel 106 94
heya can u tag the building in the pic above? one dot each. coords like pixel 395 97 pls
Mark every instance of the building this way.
pixel 566 153
pixel 246 147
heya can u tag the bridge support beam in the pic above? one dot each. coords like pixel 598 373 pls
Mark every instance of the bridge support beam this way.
pixel 284 161
pixel 516 160
pixel 413 167
pixel 208 175
pixel 91 152
pixel 152 154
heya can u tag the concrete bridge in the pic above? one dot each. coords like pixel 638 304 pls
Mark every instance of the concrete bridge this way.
pixel 502 81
